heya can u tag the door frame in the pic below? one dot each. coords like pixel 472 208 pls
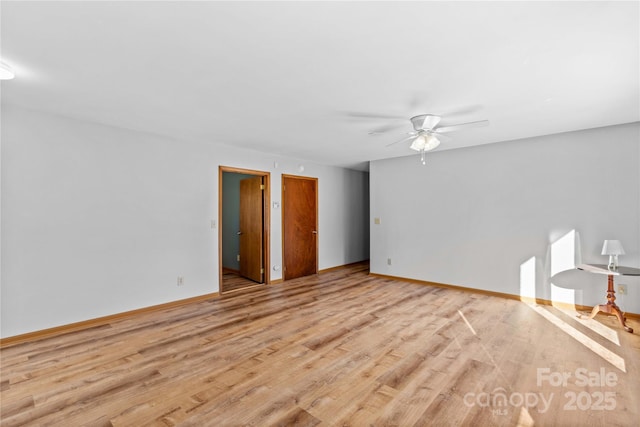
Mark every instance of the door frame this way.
pixel 315 180
pixel 266 220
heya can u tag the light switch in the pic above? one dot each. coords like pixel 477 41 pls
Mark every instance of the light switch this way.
pixel 376 221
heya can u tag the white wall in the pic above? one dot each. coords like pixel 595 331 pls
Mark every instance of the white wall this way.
pixel 98 220
pixel 476 217
pixel 348 222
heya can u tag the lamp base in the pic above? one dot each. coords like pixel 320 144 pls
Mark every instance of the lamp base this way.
pixel 610 307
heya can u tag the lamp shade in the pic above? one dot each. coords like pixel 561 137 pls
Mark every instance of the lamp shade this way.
pixel 612 247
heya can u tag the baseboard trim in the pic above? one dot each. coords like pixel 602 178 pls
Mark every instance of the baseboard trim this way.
pixel 540 301
pixel 340 267
pixel 98 321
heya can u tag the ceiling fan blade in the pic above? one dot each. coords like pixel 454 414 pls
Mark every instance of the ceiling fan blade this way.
pixel 430 121
pixel 409 138
pixel 462 126
pixel 373 116
pixel 441 136
pixel 461 111
pixel 386 128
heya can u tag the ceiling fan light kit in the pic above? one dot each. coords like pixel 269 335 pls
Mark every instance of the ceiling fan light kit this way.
pixel 424 142
pixel 426 130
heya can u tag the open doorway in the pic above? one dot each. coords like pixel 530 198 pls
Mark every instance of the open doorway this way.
pixel 243 237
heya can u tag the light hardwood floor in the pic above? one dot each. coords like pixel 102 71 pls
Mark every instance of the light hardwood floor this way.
pixel 339 348
pixel 233 281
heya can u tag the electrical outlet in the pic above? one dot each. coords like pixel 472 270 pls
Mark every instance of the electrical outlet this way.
pixel 238 257
pixel 180 281
pixel 388 261
pixel 622 289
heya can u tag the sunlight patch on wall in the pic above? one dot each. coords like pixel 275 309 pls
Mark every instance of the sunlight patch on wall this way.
pixel 563 258
pixel 528 279
pixel 562 295
pixel 563 253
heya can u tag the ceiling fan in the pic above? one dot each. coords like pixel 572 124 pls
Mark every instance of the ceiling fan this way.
pixel 426 132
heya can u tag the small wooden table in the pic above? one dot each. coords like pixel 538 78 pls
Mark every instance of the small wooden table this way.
pixel 610 307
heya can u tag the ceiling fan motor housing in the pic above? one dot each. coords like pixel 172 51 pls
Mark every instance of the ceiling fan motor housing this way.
pixel 424 121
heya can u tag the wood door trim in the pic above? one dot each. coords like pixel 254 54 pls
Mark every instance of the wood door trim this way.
pixel 283 176
pixel 266 222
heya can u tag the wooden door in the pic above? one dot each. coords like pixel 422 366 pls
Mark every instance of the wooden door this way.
pixel 299 226
pixel 251 219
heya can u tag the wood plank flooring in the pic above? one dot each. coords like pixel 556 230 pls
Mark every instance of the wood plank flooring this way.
pixel 337 349
pixel 233 281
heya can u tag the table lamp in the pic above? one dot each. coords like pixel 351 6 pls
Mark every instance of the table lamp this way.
pixel 613 248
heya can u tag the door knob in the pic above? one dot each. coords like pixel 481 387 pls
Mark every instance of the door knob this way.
pixel 239 233
pixel 314 232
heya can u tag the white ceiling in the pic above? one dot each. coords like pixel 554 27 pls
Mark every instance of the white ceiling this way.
pixel 287 78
